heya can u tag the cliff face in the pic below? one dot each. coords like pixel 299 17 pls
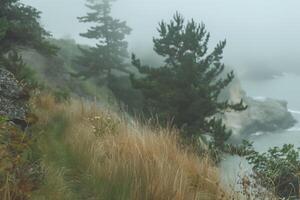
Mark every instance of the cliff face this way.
pixel 262 115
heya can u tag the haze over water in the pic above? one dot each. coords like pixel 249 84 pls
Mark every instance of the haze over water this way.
pixel 286 88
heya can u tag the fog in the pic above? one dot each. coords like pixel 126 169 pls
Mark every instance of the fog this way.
pixel 261 35
pixel 263 48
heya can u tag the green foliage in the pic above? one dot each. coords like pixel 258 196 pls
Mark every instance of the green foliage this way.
pixel 186 89
pixel 15 64
pixel 111 49
pixel 20 173
pixel 62 95
pixel 3 119
pixel 20 27
pixel 123 91
pixel 278 169
pixel 56 159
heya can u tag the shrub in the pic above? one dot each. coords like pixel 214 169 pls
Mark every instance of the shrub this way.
pixel 20 172
pixel 277 169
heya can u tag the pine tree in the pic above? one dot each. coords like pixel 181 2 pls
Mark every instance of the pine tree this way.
pixel 110 51
pixel 20 28
pixel 186 89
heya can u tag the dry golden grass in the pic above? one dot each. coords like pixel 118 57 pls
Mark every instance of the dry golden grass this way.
pixel 128 161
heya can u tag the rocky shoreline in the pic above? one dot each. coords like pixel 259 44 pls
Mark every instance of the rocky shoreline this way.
pixel 262 115
pixel 267 115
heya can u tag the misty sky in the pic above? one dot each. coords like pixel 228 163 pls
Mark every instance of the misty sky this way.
pixel 263 34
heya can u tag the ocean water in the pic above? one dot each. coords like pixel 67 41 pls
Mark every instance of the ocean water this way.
pixel 286 87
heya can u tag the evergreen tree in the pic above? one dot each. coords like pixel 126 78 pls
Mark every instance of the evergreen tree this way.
pixel 20 28
pixel 186 89
pixel 110 51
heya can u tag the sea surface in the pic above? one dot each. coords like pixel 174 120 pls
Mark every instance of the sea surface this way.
pixel 286 87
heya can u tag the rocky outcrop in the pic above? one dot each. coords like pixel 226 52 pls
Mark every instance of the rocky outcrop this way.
pixel 266 115
pixel 12 97
pixel 262 115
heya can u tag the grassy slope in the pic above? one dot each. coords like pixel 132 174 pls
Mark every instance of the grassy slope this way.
pixel 91 153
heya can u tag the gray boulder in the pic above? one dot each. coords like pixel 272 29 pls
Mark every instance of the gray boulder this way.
pixel 12 97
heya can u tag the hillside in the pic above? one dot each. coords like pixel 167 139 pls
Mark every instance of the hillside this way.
pixel 91 153
pixel 55 72
pixel 81 146
pixel 80 150
pixel 112 120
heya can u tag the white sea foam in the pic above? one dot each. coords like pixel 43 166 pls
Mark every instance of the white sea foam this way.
pixel 258 133
pixel 294 129
pixel 294 111
pixel 260 98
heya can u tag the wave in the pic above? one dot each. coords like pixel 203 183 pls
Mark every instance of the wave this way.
pixel 294 129
pixel 258 134
pixel 294 111
pixel 260 98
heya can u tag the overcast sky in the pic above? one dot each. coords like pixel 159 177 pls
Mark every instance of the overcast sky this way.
pixel 259 33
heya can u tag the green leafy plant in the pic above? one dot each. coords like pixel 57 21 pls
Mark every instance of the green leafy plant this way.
pixel 277 169
pixel 20 172
pixel 15 64
pixel 3 119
